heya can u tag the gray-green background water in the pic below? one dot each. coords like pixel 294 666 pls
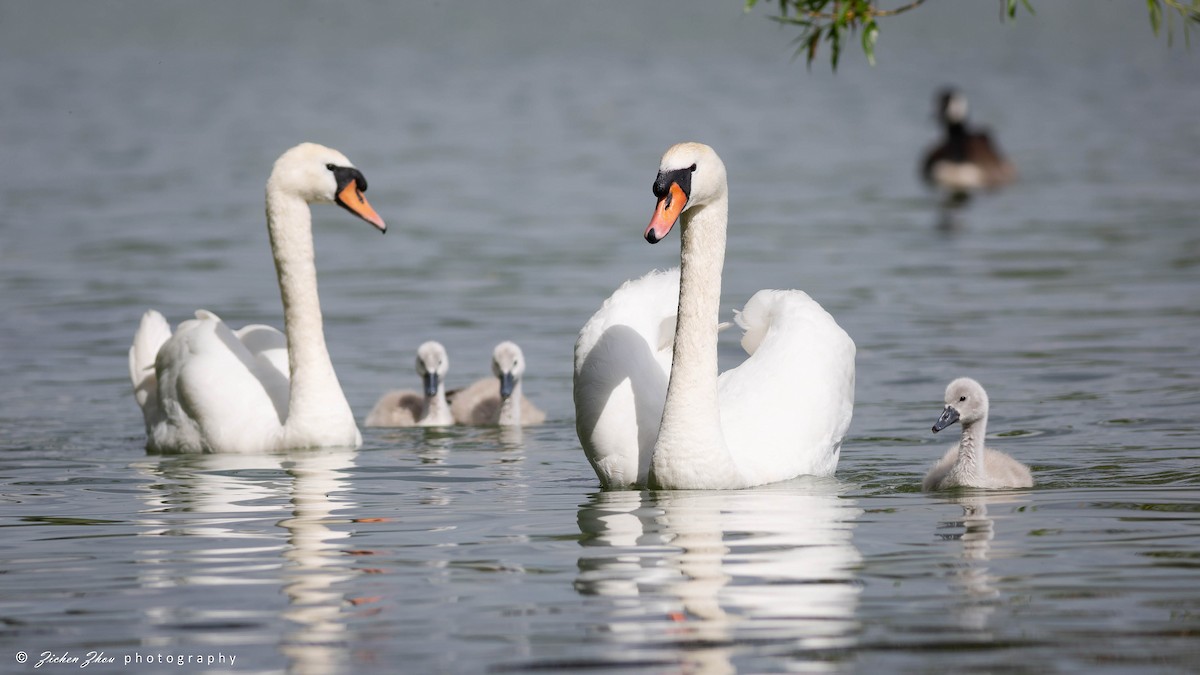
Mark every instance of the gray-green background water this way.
pixel 511 147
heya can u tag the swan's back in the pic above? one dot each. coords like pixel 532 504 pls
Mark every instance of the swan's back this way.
pixel 531 414
pixel 1000 471
pixel 622 365
pixel 479 404
pixel 205 357
pixel 786 409
pixel 267 344
pixel 399 408
pixel 647 306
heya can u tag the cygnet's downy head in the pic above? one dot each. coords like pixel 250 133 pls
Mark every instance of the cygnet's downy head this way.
pixel 322 175
pixel 432 365
pixel 508 364
pixel 966 402
pixel 689 175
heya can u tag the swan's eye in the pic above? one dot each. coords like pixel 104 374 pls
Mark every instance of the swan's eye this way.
pixel 330 167
pixel 961 399
pixel 692 168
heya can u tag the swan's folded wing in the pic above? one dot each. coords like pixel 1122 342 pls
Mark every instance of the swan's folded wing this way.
pixel 531 415
pixel 786 409
pixel 647 306
pixel 400 408
pixel 622 363
pixel 267 344
pixel 477 403
pixel 209 380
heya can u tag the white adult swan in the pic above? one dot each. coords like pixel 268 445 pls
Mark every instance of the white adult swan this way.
pixel 647 417
pixel 968 463
pixel 208 388
pixel 498 400
pixel 427 408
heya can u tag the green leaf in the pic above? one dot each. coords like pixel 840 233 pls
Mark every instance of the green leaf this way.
pixel 812 47
pixel 835 46
pixel 869 36
pixel 830 19
pixel 1010 8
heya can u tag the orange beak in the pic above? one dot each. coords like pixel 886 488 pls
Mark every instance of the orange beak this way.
pixel 666 213
pixel 352 199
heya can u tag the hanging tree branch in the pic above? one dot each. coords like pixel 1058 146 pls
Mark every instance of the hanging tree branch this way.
pixel 832 20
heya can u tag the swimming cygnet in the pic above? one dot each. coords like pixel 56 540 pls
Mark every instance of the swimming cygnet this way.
pixel 409 408
pixel 969 463
pixel 497 400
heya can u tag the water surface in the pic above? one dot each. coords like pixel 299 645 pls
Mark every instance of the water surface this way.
pixel 511 148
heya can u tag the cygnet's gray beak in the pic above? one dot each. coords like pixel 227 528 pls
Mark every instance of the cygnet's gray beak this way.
pixel 506 385
pixel 431 384
pixel 949 416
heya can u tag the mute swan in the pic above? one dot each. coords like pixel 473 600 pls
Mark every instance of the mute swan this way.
pixel 408 408
pixel 966 160
pixel 208 388
pixel 968 463
pixel 650 407
pixel 494 400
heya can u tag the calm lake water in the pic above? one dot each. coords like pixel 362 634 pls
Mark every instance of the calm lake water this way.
pixel 511 147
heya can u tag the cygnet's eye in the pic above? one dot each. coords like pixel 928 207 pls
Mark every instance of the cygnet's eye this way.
pixel 961 399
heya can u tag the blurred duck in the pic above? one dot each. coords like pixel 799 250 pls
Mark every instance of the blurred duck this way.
pixel 968 463
pixel 497 400
pixel 427 408
pixel 966 160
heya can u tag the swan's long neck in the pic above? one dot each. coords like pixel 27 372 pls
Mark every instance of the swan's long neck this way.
pixel 690 451
pixel 316 405
pixel 437 410
pixel 510 408
pixel 970 447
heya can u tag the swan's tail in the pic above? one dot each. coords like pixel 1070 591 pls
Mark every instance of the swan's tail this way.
pixel 150 336
pixel 767 307
pixel 755 318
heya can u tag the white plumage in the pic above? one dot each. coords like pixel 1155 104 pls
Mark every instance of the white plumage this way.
pixel 208 388
pixel 650 407
pixel 622 363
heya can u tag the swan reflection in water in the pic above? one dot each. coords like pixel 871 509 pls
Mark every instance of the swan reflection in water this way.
pixel 703 572
pixel 970 577
pixel 290 500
